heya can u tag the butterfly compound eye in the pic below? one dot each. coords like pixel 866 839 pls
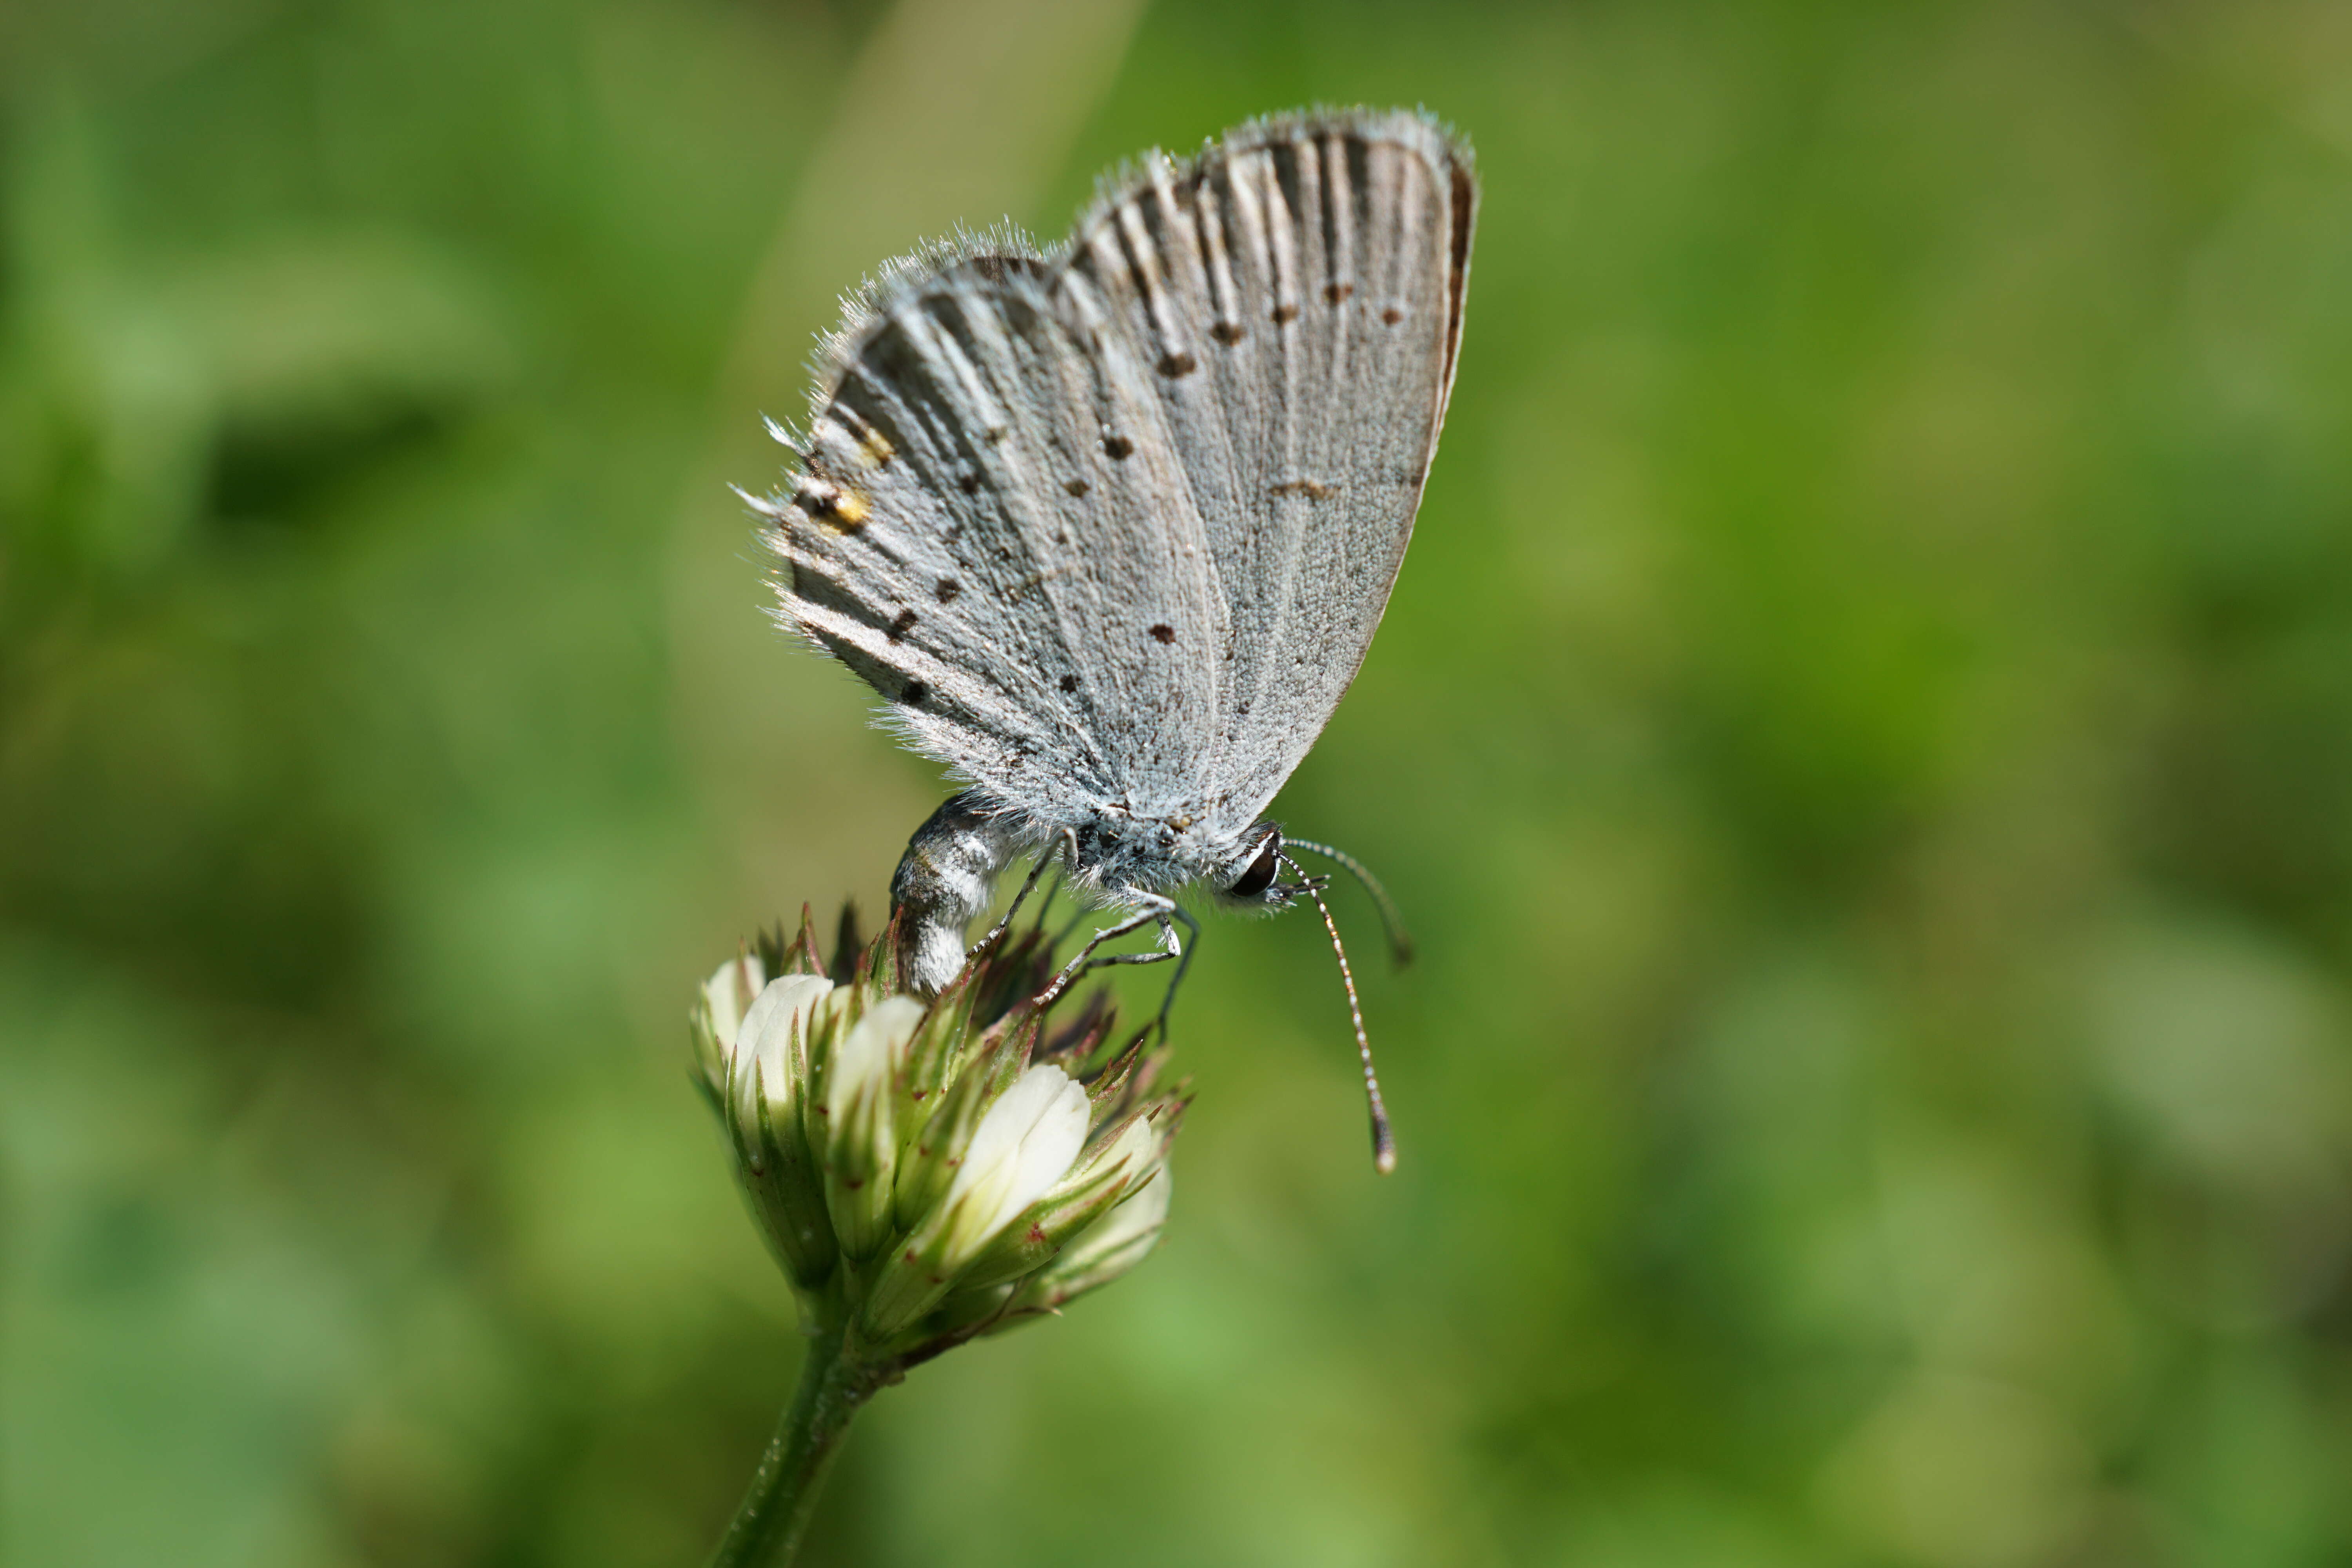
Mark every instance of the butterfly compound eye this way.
pixel 1259 877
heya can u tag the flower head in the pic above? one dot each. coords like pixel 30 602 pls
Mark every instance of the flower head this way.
pixel 929 1172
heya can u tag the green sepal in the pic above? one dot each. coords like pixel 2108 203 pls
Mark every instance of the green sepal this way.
pixel 934 1059
pixel 780 1172
pixel 965 1309
pixel 907 1284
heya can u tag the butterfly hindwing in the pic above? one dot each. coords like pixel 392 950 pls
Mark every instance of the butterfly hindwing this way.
pixel 988 529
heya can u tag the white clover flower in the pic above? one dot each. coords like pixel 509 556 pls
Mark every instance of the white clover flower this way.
pixel 920 1173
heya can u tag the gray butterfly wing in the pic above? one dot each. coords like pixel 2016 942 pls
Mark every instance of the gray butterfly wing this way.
pixel 990 527
pixel 1296 293
pixel 1113 536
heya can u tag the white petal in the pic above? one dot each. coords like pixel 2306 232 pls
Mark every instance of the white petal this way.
pixel 731 987
pixel 767 1030
pixel 1051 1144
pixel 1007 1121
pixel 1023 1146
pixel 870 1052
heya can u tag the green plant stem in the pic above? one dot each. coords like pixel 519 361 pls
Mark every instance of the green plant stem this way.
pixel 768 1527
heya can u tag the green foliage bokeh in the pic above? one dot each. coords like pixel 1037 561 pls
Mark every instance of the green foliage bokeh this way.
pixel 1864 736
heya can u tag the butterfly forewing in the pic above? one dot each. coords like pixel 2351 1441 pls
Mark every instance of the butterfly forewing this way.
pixel 988 529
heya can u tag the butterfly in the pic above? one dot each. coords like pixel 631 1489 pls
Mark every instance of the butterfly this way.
pixel 1109 526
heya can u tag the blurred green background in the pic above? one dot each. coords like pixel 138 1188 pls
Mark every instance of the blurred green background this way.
pixel 1864 737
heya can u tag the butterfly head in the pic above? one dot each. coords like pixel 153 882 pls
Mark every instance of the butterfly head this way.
pixel 1251 877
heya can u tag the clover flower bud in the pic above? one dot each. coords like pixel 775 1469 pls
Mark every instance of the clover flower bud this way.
pixel 730 991
pixel 1104 1250
pixel 1099 1223
pixel 861 1135
pixel 1024 1145
pixel 755 1069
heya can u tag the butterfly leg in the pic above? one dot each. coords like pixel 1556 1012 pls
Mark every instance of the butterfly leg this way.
pixel 1167 914
pixel 1068 844
pixel 1155 912
pixel 1183 961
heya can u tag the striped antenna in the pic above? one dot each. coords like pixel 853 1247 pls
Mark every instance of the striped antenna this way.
pixel 1391 923
pixel 1383 1138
